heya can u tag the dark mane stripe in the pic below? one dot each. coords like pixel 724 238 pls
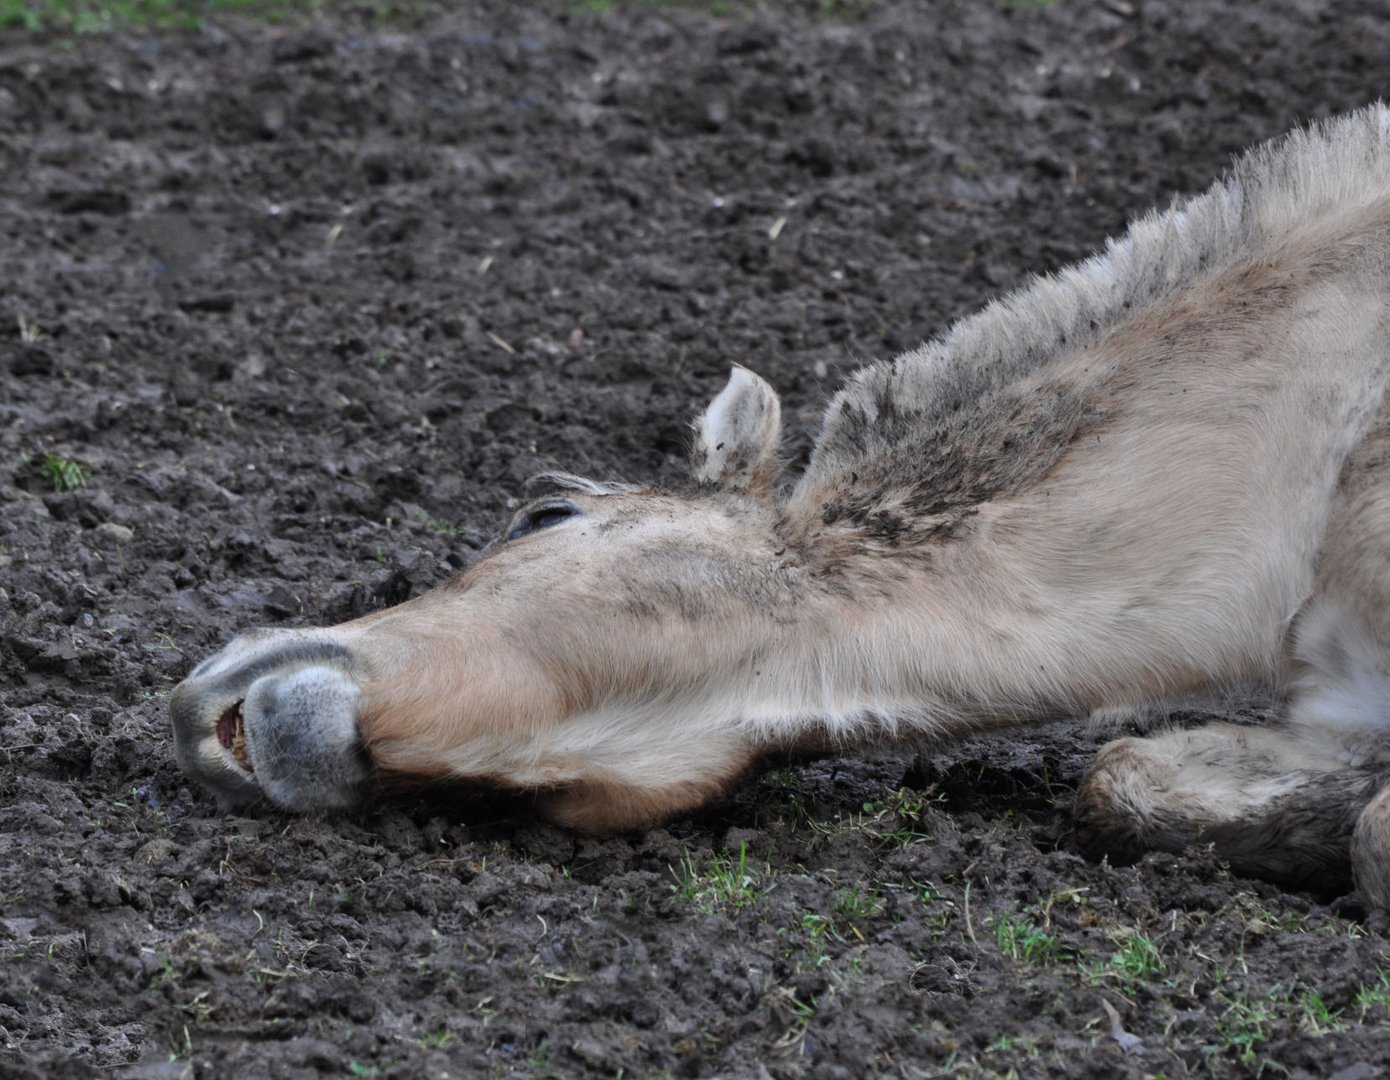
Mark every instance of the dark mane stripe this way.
pixel 1327 169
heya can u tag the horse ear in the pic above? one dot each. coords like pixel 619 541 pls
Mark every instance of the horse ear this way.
pixel 738 436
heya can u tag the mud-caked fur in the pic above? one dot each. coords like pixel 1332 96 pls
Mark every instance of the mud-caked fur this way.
pixel 1165 470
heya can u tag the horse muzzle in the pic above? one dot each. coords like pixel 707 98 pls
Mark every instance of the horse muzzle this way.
pixel 273 718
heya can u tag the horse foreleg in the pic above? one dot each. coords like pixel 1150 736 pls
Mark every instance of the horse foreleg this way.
pixel 1370 851
pixel 1272 803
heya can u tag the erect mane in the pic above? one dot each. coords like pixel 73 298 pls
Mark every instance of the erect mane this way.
pixel 1323 170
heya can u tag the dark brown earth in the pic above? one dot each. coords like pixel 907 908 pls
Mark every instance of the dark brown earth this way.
pixel 309 303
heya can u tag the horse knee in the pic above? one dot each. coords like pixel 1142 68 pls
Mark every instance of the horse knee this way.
pixel 1370 851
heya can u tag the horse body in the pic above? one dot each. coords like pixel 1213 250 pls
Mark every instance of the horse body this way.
pixel 1161 471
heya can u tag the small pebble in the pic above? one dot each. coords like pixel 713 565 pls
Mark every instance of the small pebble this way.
pixel 122 534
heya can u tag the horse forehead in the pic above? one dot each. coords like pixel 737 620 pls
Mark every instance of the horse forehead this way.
pixel 665 516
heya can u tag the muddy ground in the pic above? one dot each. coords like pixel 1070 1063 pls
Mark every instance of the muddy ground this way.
pixel 304 305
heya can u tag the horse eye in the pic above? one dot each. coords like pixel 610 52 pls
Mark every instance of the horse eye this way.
pixel 542 517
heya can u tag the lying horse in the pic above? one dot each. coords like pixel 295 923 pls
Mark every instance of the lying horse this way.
pixel 1164 470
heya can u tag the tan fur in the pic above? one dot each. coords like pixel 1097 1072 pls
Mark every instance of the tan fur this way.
pixel 1161 471
pixel 1370 850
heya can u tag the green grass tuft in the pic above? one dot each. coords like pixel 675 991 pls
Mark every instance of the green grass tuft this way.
pixel 64 475
pixel 723 880
pixel 1024 941
pixel 719 9
pixel 102 16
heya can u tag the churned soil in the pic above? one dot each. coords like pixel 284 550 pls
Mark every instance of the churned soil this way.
pixel 289 314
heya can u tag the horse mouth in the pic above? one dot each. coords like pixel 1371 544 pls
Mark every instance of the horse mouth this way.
pixel 231 733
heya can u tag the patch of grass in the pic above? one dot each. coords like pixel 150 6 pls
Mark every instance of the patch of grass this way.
pixel 1025 942
pixel 29 332
pixel 555 980
pixel 1251 1018
pixel 844 7
pixel 821 933
pixel 200 1008
pixel 941 909
pixel 101 16
pixel 1376 995
pixel 1318 1017
pixel 723 880
pixel 1245 1025
pixel 1135 960
pixel 433 1040
pixel 62 474
pixel 899 818
pixel 717 8
pixel 856 902
pixel 802 1013
pixel 1019 1044
pixel 183 1047
pixel 818 925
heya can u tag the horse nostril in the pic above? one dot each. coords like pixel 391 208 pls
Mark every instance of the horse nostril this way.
pixel 231 733
pixel 276 724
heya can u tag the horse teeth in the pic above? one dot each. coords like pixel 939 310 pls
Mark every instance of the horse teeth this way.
pixel 239 742
pixel 231 733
